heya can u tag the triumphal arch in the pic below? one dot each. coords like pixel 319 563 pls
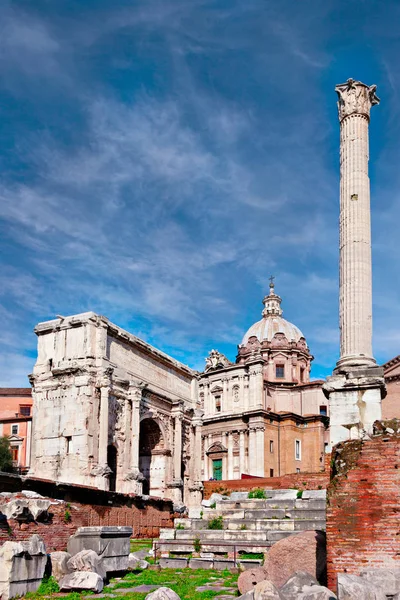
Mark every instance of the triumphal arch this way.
pixel 113 412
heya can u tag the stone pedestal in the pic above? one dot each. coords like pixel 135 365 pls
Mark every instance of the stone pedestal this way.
pixel 355 400
pixel 111 543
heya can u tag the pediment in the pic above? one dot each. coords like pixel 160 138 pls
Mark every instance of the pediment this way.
pixel 216 447
pixel 15 438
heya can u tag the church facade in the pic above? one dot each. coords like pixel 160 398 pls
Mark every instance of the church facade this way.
pixel 262 415
pixel 113 412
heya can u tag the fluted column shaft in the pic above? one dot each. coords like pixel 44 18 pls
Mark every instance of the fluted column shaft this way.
pixel 355 302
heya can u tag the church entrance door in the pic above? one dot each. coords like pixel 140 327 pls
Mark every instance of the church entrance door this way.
pixel 153 458
pixel 217 469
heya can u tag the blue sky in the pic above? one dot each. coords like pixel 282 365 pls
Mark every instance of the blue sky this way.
pixel 160 159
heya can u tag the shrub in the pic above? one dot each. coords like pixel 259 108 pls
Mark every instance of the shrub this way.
pixel 299 493
pixel 179 526
pixel 197 545
pixel 213 505
pixel 216 523
pixel 257 493
pixel 243 527
pixel 67 516
pixel 6 463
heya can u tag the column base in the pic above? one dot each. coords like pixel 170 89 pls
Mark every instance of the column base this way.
pixel 348 362
pixel 195 493
pixel 355 401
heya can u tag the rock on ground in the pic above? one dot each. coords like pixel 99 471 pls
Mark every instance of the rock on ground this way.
pixel 247 596
pixel 59 566
pixel 352 587
pixel 294 585
pixel 136 564
pixel 212 499
pixel 316 592
pixel 87 560
pixel 82 580
pixel 22 566
pixel 249 578
pixel 265 590
pixel 163 593
pixel 386 579
pixel 305 551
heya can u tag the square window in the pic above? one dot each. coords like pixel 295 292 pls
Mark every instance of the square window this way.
pixel 280 371
pixel 14 430
pixel 271 472
pixel 218 403
pixel 297 470
pixel 25 411
pixel 323 410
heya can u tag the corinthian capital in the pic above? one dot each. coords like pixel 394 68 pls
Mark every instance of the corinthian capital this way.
pixel 355 98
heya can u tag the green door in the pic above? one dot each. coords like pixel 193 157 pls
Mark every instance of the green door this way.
pixel 217 469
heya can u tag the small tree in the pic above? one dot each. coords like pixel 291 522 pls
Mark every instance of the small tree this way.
pixel 5 455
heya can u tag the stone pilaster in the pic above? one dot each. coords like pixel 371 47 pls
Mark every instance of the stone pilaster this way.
pixel 176 486
pixel 357 386
pixel 196 485
pixel 230 455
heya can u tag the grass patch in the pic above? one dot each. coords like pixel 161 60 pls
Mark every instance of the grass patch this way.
pixel 257 493
pixel 184 582
pixel 251 556
pixel 141 544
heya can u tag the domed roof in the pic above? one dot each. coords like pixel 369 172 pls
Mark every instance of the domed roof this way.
pixel 269 326
pixel 272 321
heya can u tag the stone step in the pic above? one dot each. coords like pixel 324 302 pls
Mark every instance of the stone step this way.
pixel 226 506
pixel 317 522
pixel 291 513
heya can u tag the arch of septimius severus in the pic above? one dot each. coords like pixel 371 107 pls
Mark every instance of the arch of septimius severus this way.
pixel 113 412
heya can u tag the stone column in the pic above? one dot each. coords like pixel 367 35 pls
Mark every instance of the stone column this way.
pixel 133 476
pixel 196 485
pixel 205 459
pixel 356 388
pixel 242 450
pixel 127 426
pixel 101 471
pixel 230 455
pixel 260 451
pixel 252 452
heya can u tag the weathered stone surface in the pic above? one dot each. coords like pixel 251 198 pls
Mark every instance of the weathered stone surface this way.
pixel 249 578
pixel 22 566
pixel 386 579
pixel 112 544
pixel 137 564
pixel 248 595
pixel 351 587
pixel 265 590
pixel 162 593
pixel 238 496
pixel 315 592
pixel 82 580
pixel 23 509
pixel 295 584
pixel 87 560
pixel 213 499
pixel 304 551
pixel 59 566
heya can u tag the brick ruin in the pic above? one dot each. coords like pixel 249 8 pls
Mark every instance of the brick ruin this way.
pixel 363 505
pixel 79 506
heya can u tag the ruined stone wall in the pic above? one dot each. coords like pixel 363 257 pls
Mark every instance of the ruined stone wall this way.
pixel 300 481
pixel 364 503
pixel 78 506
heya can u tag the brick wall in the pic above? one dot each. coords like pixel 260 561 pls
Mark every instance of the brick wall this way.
pixel 363 512
pixel 301 481
pixel 100 508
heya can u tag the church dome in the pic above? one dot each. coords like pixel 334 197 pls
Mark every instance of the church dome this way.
pixel 272 322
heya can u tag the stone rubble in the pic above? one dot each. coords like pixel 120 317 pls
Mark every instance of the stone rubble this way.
pixel 22 567
pixel 82 580
pixel 59 564
pixel 87 560
pixel 352 587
